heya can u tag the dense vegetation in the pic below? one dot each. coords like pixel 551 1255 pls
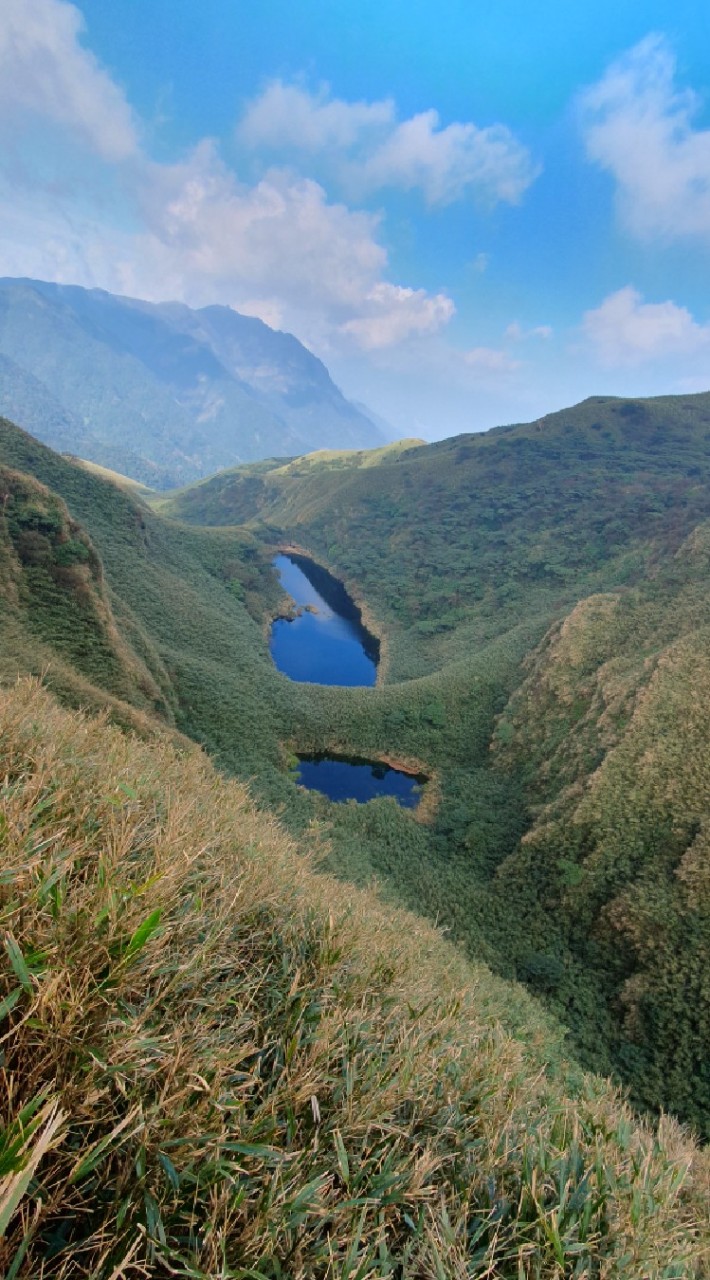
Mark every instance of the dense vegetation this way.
pixel 542 596
pixel 452 543
pixel 217 1064
pixel 467 551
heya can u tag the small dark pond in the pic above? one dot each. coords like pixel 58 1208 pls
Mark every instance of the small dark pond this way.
pixel 362 780
pixel 326 642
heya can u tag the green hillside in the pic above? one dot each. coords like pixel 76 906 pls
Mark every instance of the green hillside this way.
pixel 544 590
pixel 468 552
pixel 452 542
pixel 180 597
pixel 55 606
pixel 218 1064
pixel 563 841
pixel 123 482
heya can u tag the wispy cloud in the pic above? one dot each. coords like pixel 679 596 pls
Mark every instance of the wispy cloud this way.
pixel 394 313
pixel 640 127
pixel 189 230
pixel 285 115
pixel 515 332
pixel 370 149
pixel 46 73
pixel 626 331
pixel 490 361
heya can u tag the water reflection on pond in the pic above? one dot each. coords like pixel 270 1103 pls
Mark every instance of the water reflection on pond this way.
pixel 353 779
pixel 325 643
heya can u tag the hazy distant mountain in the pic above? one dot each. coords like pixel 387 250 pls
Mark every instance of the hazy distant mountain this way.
pixel 159 391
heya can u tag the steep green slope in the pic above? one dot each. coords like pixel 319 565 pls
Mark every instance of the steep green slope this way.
pixel 611 729
pixel 489 864
pixel 216 1064
pixel 452 542
pixel 54 602
pixel 560 854
pixel 178 594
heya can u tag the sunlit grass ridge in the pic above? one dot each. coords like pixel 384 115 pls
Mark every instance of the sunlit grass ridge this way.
pixel 218 1064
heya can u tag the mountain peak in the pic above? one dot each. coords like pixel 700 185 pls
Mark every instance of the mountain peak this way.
pixel 163 392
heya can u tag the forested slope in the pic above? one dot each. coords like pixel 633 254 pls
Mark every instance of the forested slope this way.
pixel 453 541
pixel 572 852
pixel 563 728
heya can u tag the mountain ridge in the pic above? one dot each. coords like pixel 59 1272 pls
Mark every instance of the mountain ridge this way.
pixel 159 391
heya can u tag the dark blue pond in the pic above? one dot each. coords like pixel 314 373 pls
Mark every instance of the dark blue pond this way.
pixel 360 780
pixel 325 643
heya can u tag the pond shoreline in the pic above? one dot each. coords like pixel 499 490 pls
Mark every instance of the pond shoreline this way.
pixel 424 812
pixel 323 641
pixel 368 619
pixel 342 777
pixel 316 589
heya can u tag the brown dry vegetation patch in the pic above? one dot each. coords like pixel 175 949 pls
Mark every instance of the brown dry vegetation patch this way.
pixel 219 1064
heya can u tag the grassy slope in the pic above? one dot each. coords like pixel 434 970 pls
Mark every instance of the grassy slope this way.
pixel 175 588
pixel 452 541
pixel 221 1065
pixel 54 601
pixel 123 482
pixel 452 545
pixel 611 728
pixel 179 595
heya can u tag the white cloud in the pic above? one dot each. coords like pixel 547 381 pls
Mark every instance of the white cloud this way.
pixel 451 162
pixel 393 313
pixel 490 361
pixel 281 235
pixel 372 150
pixel 625 330
pixel 516 333
pixel 46 72
pixel 639 127
pixel 192 231
pixel 311 261
pixel 288 116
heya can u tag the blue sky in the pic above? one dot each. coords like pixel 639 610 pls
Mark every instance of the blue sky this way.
pixel 474 212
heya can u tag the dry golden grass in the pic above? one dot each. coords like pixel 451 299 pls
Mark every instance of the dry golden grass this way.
pixel 217 1063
